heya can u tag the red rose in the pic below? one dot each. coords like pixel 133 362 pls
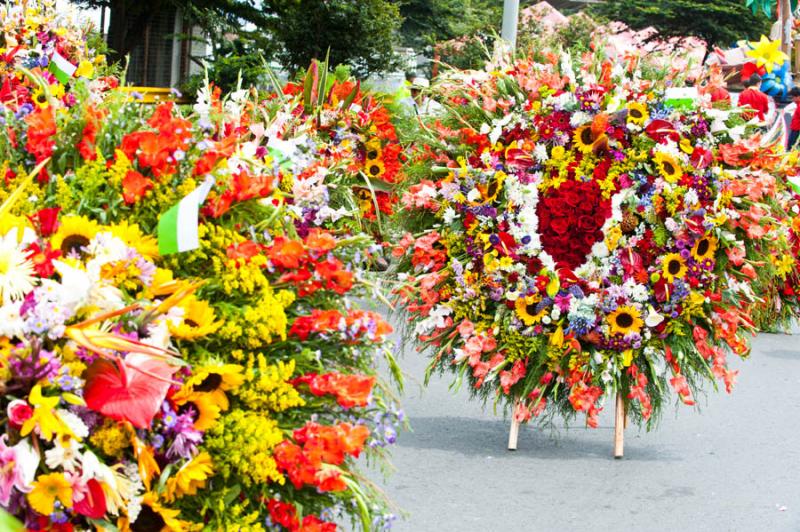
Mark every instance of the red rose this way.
pixel 560 225
pixel 18 412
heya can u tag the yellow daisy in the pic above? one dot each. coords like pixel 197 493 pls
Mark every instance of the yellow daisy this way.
pixel 74 233
pixel 704 248
pixel 526 310
pixel 673 267
pixel 625 320
pixel 132 235
pixel 637 113
pixel 48 488
pixel 668 166
pixel 373 150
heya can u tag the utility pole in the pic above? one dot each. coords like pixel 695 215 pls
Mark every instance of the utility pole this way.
pixel 510 18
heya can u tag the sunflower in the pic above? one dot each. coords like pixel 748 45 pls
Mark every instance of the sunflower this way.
pixel 704 248
pixel 589 138
pixel 16 270
pixel 132 235
pixel 584 138
pixel 374 168
pixel 39 98
pixel 215 380
pixel 198 320
pixel 625 320
pixel 673 267
pixel 207 410
pixel 153 516
pixel 637 113
pixel 490 191
pixel 668 167
pixel 526 310
pixel 74 233
pixel 190 477
pixel 373 151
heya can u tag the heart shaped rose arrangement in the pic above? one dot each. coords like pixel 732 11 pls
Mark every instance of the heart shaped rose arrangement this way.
pixel 576 236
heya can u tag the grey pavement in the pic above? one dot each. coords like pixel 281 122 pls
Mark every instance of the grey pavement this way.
pixel 733 466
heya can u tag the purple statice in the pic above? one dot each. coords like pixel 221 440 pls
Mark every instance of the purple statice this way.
pixel 24 110
pixel 185 438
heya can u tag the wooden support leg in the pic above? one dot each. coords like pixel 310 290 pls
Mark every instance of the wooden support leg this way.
pixel 619 427
pixel 513 434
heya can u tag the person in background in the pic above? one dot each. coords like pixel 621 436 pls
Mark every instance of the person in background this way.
pixel 423 105
pixel 753 98
pixel 794 127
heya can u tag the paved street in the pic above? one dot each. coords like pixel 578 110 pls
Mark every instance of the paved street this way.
pixel 733 466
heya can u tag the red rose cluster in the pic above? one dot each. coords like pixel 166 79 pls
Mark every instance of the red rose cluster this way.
pixel 571 219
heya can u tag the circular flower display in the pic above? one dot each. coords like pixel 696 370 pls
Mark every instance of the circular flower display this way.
pixel 582 237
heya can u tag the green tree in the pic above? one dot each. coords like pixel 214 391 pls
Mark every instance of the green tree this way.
pixel 360 33
pixel 718 22
pixel 426 22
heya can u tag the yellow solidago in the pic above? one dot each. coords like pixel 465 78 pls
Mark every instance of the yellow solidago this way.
pixel 112 439
pixel 191 477
pixel 241 445
pixel 267 386
pixel 257 326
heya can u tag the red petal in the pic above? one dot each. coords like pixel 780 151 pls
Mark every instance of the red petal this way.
pixel 124 391
pixel 93 504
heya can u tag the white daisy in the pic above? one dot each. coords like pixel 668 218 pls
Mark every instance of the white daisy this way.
pixel 16 270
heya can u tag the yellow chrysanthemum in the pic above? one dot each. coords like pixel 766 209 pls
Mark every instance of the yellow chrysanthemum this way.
pixel 668 166
pixel 704 248
pixel 74 233
pixel 637 113
pixel 625 320
pixel 673 267
pixel 189 478
pixel 198 320
pixel 215 380
pixel 526 310
pixel 48 488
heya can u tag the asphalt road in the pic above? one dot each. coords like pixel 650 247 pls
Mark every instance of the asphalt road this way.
pixel 734 465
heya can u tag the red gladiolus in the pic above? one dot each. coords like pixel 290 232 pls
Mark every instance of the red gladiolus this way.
pixel 134 186
pixel 284 514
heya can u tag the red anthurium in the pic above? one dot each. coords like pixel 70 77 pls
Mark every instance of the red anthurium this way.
pixel 128 390
pixel 93 503
pixel 46 220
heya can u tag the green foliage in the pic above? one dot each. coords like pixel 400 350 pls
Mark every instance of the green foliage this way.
pixel 718 22
pixel 575 36
pixel 426 22
pixel 359 33
pixel 234 63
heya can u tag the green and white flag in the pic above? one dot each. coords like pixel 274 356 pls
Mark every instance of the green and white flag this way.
pixel 794 182
pixel 177 228
pixel 61 68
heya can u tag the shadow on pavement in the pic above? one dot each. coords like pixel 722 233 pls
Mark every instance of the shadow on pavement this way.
pixel 475 437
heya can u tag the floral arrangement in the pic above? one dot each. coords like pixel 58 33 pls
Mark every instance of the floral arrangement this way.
pixel 230 386
pixel 577 231
pixel 334 148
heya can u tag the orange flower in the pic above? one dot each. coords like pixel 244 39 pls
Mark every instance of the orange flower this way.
pixel 286 254
pixel 320 241
pixel 134 186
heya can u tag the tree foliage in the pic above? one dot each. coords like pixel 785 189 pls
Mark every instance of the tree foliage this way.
pixel 426 22
pixel 360 33
pixel 718 22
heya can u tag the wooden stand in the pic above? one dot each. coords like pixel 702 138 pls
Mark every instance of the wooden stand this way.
pixel 620 424
pixel 513 434
pixel 619 427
